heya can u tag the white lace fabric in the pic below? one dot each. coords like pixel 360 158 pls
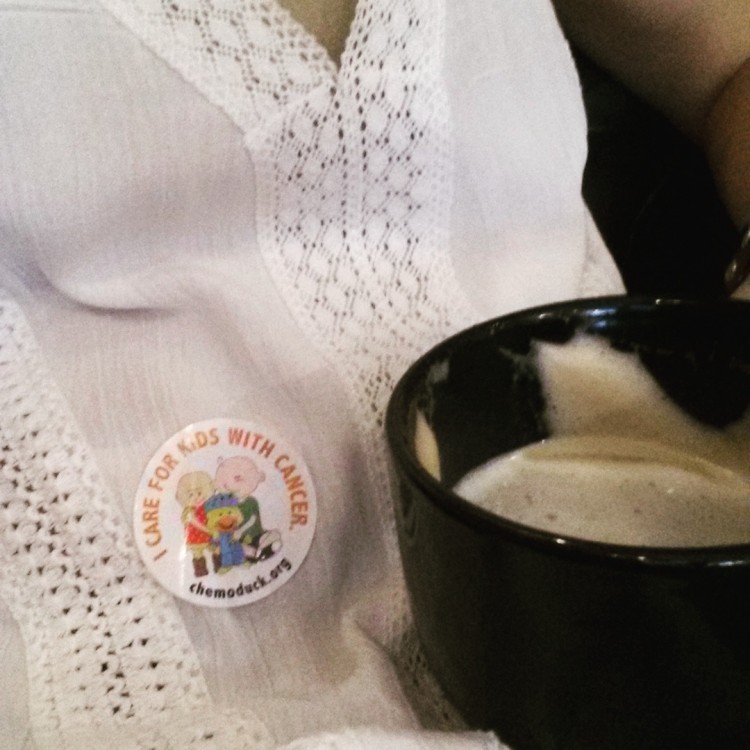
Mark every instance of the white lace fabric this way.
pixel 354 169
pixel 107 652
pixel 246 56
pixel 353 228
pixel 353 225
pixel 355 173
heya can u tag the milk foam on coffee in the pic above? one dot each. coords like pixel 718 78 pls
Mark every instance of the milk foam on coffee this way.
pixel 624 464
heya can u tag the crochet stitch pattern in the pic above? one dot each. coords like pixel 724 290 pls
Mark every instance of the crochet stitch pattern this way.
pixel 106 649
pixel 356 171
pixel 352 220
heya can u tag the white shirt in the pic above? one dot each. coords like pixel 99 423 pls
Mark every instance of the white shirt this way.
pixel 201 216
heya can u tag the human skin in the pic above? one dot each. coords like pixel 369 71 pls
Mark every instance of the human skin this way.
pixel 727 142
pixel 327 20
pixel 691 60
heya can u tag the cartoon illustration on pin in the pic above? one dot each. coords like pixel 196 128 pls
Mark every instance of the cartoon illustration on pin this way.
pixel 223 519
pixel 222 516
pixel 225 512
pixel 240 477
pixel 193 489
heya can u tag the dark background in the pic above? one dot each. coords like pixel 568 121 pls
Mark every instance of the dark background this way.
pixel 651 194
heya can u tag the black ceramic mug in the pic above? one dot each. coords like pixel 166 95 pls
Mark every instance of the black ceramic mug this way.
pixel 562 643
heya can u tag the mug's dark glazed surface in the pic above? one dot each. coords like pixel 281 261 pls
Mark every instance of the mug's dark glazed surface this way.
pixel 559 643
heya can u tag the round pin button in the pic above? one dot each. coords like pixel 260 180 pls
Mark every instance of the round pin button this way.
pixel 225 513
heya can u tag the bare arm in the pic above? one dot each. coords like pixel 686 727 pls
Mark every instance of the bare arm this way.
pixel 690 59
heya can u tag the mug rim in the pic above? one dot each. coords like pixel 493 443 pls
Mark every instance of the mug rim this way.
pixel 493 525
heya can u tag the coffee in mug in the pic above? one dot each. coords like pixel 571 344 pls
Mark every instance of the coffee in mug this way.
pixel 624 464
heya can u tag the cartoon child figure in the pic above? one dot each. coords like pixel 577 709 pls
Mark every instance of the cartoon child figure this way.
pixel 223 519
pixel 193 489
pixel 239 476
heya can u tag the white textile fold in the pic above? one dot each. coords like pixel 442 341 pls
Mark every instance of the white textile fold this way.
pixel 202 217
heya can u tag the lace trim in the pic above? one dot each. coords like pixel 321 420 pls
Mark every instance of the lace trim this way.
pixel 355 169
pixel 354 231
pixel 353 227
pixel 105 645
pixel 248 57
